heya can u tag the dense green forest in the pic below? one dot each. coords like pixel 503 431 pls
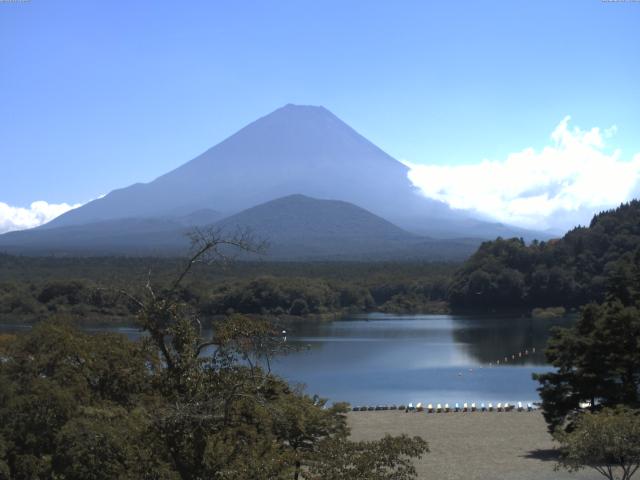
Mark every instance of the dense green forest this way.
pixel 80 406
pixel 159 408
pixel 571 271
pixel 89 289
pixel 591 398
pixel 505 273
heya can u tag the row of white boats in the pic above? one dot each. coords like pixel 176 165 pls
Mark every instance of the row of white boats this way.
pixel 446 408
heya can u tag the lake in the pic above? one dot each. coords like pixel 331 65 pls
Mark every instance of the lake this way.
pixel 386 359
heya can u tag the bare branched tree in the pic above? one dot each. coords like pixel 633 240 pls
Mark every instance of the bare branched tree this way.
pixel 172 326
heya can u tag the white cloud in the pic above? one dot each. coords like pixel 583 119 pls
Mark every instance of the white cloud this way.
pixel 17 218
pixel 557 187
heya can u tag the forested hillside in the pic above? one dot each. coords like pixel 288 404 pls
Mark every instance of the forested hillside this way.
pixel 99 406
pixel 89 289
pixel 570 272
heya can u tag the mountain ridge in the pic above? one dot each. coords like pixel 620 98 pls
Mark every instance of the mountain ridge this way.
pixel 297 227
pixel 294 149
pixel 300 157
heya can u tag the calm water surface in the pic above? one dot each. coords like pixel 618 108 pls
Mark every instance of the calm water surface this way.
pixel 381 359
pixel 384 359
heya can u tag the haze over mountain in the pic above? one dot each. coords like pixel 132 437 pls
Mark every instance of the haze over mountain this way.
pixel 300 227
pixel 295 227
pixel 294 150
pixel 363 203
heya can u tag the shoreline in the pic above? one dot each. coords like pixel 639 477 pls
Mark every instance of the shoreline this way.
pixel 479 446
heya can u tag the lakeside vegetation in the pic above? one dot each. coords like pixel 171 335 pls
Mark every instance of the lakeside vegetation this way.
pixel 76 406
pixel 89 289
pixel 570 272
pixel 503 274
pixel 159 409
pixel 591 400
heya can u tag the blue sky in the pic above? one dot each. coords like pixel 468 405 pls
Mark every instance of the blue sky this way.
pixel 97 95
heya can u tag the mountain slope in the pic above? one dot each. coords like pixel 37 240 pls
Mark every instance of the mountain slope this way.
pixel 295 149
pixel 299 216
pixel 127 236
pixel 296 227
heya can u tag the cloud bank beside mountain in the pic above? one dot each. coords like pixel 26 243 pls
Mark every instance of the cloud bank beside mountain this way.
pixel 556 188
pixel 579 173
pixel 19 218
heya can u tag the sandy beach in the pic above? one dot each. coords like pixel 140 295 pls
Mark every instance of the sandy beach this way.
pixel 473 446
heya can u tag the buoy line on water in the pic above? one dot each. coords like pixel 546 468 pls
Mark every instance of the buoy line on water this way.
pixel 515 356
pixel 466 407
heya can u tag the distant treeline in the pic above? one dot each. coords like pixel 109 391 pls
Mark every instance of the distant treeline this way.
pixel 90 289
pixel 572 271
pixel 506 273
